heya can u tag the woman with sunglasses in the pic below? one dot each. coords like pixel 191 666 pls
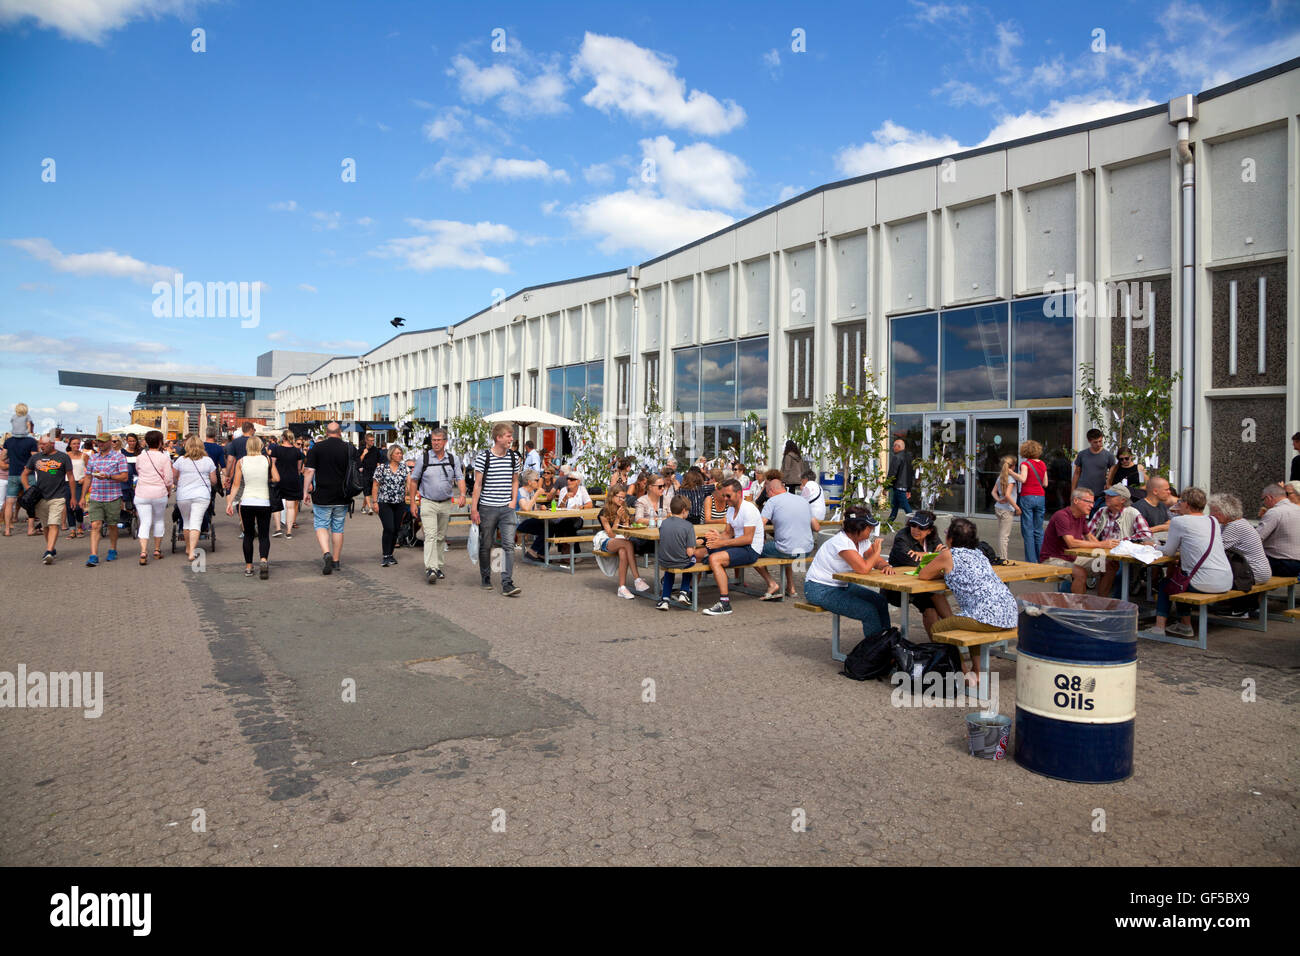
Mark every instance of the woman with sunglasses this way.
pixel 1126 472
pixel 653 505
pixel 853 549
pixel 918 538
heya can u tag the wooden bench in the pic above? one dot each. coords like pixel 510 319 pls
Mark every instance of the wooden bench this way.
pixel 1202 602
pixel 574 539
pixel 704 568
pixel 986 641
pixel 1292 612
pixel 836 653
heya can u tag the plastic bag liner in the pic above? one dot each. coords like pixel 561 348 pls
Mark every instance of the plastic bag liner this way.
pixel 1077 627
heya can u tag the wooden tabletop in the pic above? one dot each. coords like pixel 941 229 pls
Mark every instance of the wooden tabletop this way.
pixel 546 514
pixel 912 584
pixel 652 534
pixel 1092 552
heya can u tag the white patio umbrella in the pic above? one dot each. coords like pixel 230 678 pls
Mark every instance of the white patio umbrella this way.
pixel 528 415
pixel 132 429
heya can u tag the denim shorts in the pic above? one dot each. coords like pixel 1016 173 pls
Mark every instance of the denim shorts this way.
pixel 14 487
pixel 738 557
pixel 329 516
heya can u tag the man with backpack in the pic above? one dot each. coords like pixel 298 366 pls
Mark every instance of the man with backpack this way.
pixel 496 487
pixel 329 463
pixel 438 476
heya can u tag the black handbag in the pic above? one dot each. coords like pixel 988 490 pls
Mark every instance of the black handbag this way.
pixel 353 484
pixel 29 499
pixel 873 657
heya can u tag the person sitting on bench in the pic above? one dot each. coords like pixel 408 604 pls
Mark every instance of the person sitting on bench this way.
pixel 987 604
pixel 852 550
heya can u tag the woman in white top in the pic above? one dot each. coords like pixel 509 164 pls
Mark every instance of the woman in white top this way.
pixel 254 473
pixel 1007 509
pixel 196 477
pixel 76 511
pixel 1194 536
pixel 853 549
pixel 812 492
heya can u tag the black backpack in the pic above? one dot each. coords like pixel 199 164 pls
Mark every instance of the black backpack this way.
pixel 444 465
pixel 987 550
pixel 930 658
pixel 487 467
pixel 873 658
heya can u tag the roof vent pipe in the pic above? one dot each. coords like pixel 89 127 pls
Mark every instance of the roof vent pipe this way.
pixel 1182 113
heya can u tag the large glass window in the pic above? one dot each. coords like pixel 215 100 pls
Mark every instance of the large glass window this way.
pixel 596 385
pixel 914 363
pixel 974 353
pixel 751 358
pixel 1043 360
pixel 686 381
pixel 555 391
pixel 1053 429
pixel 718 380
pixel 575 386
pixel 379 408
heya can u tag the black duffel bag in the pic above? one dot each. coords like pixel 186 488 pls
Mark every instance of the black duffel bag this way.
pixel 931 658
pixel 873 658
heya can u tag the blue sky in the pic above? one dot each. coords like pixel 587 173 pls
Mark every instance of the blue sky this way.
pixel 593 136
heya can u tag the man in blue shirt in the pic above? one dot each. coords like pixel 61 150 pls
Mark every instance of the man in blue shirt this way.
pixel 20 449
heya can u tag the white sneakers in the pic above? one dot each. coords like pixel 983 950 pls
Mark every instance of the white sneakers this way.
pixel 623 592
pixel 640 584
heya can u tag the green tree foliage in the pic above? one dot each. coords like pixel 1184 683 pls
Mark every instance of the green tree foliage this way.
pixel 1134 410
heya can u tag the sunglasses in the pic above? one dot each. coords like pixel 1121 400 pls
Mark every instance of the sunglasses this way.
pixel 1125 458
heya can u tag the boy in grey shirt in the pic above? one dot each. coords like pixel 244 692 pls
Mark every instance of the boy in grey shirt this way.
pixel 676 550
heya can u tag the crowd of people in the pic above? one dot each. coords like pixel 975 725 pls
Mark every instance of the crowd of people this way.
pixel 121 481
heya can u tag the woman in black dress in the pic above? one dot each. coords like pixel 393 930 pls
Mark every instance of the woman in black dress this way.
pixel 1126 472
pixel 288 462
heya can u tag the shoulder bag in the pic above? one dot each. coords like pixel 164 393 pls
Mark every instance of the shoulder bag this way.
pixel 1178 580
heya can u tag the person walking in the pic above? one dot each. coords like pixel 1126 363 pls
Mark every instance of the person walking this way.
pixel 288 465
pixel 792 466
pixel 439 481
pixel 496 487
pixel 327 467
pixel 76 507
pixel 154 482
pixel 254 475
pixel 51 472
pixel 1006 508
pixel 1092 466
pixel 388 491
pixel 19 448
pixel 369 462
pixel 106 476
pixel 1032 502
pixel 196 478
pixel 901 477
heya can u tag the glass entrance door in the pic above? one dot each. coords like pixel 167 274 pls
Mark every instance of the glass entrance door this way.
pixel 995 436
pixel 720 438
pixel 947 436
pixel 972 446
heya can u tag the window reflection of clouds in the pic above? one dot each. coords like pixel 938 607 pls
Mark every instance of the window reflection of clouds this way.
pixel 975 355
pixel 915 343
pixel 1044 350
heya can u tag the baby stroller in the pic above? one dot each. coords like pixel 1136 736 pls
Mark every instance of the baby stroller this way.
pixel 207 531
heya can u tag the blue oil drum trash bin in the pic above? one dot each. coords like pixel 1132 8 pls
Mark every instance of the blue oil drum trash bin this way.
pixel 1076 687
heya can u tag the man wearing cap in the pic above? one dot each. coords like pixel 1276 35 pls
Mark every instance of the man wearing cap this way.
pixel 572 497
pixel 101 488
pixel 440 478
pixel 1117 521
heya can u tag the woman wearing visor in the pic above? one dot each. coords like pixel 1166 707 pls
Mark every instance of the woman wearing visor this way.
pixel 918 538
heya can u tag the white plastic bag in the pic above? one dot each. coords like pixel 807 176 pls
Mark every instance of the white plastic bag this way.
pixel 473 543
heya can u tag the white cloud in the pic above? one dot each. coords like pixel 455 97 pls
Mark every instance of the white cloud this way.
pixel 642 84
pixel 789 192
pixel 365 221
pixel 772 60
pixel 67 408
pixel 111 355
pixel 941 13
pixel 289 205
pixel 306 287
pixel 338 346
pixel 466 170
pixel 893 145
pixel 961 93
pixel 446 124
pixel 516 91
pixel 550 206
pixel 599 174
pixel 699 173
pixel 106 263
pixel 1008 39
pixel 448 245
pixel 631 220
pixel 327 220
pixel 88 20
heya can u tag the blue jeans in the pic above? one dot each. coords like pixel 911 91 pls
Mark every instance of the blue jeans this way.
pixel 492 519
pixel 1032 510
pixel 898 499
pixel 669 582
pixel 853 601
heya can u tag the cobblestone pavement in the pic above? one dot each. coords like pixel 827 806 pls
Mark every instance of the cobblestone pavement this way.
pixel 225 694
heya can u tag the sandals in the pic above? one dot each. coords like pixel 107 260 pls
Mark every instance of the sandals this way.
pixel 157 554
pixel 773 596
pixel 144 559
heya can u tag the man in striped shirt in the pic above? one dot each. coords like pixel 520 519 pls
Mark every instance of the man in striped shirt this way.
pixel 496 486
pixel 1239 536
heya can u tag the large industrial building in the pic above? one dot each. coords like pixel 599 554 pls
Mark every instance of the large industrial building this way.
pixel 945 278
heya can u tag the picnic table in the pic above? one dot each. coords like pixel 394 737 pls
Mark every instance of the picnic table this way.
pixel 546 515
pixel 908 584
pixel 652 534
pixel 1126 561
